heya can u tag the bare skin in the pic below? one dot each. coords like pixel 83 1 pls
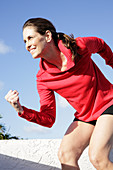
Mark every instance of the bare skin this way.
pixel 79 135
pixel 73 143
pixel 13 98
pixel 101 143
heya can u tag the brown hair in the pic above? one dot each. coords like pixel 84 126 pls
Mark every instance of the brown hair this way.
pixel 42 25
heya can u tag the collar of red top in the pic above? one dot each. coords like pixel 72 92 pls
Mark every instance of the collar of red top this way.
pixel 52 68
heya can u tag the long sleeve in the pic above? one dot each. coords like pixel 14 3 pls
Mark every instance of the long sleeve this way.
pixel 46 116
pixel 97 45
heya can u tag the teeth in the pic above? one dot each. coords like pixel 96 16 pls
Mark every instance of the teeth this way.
pixel 31 50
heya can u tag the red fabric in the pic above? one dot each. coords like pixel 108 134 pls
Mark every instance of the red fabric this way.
pixel 83 85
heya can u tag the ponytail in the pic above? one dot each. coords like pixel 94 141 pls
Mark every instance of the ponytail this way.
pixel 69 42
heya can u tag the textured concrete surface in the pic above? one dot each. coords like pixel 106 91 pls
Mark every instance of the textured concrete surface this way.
pixel 36 154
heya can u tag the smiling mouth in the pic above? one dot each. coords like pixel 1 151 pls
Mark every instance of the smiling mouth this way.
pixel 32 50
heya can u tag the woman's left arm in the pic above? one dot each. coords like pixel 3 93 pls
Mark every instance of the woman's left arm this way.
pixel 98 45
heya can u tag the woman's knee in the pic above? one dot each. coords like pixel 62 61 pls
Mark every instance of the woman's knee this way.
pixel 68 155
pixel 93 157
pixel 98 158
pixel 61 155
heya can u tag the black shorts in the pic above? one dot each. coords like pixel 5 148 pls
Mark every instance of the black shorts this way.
pixel 109 110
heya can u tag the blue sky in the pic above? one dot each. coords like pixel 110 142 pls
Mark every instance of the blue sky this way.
pixel 18 69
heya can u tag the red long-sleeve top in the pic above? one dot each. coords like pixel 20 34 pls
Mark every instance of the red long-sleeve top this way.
pixel 82 84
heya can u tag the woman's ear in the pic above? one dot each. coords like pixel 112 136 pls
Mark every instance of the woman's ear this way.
pixel 48 35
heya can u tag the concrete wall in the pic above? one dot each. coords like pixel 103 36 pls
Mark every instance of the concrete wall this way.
pixel 39 154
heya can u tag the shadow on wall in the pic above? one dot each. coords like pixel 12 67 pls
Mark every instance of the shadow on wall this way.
pixel 11 163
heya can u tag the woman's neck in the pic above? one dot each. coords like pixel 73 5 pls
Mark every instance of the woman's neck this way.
pixel 56 57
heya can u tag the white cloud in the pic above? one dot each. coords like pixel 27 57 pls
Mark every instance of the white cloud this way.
pixel 4 48
pixel 62 102
pixel 1 85
pixel 35 129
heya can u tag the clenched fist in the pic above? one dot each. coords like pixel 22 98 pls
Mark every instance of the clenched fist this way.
pixel 13 98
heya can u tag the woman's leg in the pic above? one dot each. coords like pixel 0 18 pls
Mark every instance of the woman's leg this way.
pixel 101 143
pixel 73 143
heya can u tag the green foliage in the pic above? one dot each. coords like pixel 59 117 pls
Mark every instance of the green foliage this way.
pixel 4 134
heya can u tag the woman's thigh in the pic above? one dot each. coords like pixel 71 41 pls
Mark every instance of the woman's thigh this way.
pixel 76 139
pixel 102 136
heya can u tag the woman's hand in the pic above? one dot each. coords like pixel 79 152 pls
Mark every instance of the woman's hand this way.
pixel 13 98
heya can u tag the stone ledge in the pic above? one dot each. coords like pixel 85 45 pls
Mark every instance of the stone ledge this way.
pixel 35 154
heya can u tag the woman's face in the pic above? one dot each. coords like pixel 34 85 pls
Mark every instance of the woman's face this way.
pixel 35 42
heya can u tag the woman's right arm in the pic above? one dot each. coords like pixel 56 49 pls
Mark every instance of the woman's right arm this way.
pixel 47 114
pixel 13 98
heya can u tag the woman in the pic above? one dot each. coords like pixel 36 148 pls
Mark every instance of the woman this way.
pixel 66 67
